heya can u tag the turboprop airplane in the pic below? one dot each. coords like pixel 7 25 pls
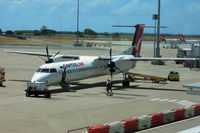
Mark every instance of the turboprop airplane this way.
pixel 173 42
pixel 169 41
pixel 183 40
pixel 56 71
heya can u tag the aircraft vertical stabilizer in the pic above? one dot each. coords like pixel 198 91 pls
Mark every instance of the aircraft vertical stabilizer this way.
pixel 181 37
pixel 137 40
pixel 162 38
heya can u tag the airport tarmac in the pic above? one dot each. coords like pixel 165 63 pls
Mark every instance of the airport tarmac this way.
pixel 89 106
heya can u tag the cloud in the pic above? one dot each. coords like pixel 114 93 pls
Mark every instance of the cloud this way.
pixel 135 6
pixel 99 14
pixel 95 3
pixel 52 2
pixel 19 2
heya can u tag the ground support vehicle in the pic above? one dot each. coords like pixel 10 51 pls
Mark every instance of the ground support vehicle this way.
pixel 36 89
pixel 173 76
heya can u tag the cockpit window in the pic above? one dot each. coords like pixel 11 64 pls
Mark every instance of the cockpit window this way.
pixel 38 70
pixel 45 70
pixel 53 70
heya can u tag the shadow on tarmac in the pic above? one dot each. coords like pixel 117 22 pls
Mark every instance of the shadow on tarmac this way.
pixel 81 86
pixel 20 80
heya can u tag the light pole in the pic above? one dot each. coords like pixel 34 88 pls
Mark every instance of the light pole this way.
pixel 77 22
pixel 157 49
pixel 154 17
pixel 158 32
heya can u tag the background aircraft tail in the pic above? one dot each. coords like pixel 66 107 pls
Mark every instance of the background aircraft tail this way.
pixel 162 38
pixel 181 37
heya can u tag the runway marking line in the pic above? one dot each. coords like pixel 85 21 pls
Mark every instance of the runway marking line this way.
pixel 172 101
pixel 181 102
pixel 163 100
pixel 155 99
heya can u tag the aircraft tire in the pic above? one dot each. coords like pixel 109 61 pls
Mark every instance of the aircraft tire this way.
pixel 27 94
pixel 125 83
pixel 47 94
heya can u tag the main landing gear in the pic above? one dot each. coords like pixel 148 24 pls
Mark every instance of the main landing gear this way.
pixel 126 81
pixel 64 85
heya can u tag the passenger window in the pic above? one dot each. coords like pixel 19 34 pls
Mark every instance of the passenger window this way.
pixel 45 70
pixel 53 70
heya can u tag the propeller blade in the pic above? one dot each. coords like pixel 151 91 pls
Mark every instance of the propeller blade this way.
pixel 110 54
pixel 47 51
pixel 111 75
pixel 56 54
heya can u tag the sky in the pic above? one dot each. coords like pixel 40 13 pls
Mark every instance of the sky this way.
pixel 181 16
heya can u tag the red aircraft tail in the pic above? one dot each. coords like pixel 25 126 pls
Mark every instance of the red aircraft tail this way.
pixel 162 38
pixel 137 40
pixel 181 37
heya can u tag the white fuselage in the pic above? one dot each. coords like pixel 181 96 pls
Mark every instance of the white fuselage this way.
pixel 85 67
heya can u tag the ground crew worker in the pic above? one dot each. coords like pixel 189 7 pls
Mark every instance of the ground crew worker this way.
pixel 109 88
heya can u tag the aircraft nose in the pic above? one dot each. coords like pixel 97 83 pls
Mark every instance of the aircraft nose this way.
pixel 39 78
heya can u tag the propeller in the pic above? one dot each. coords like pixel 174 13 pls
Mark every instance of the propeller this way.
pixel 112 65
pixel 49 58
pixel 47 51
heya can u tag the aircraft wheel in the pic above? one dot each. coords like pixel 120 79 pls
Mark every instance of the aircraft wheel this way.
pixel 27 94
pixel 47 94
pixel 125 83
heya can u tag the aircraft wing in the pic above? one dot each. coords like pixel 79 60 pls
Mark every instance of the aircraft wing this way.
pixel 43 54
pixel 29 53
pixel 131 58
